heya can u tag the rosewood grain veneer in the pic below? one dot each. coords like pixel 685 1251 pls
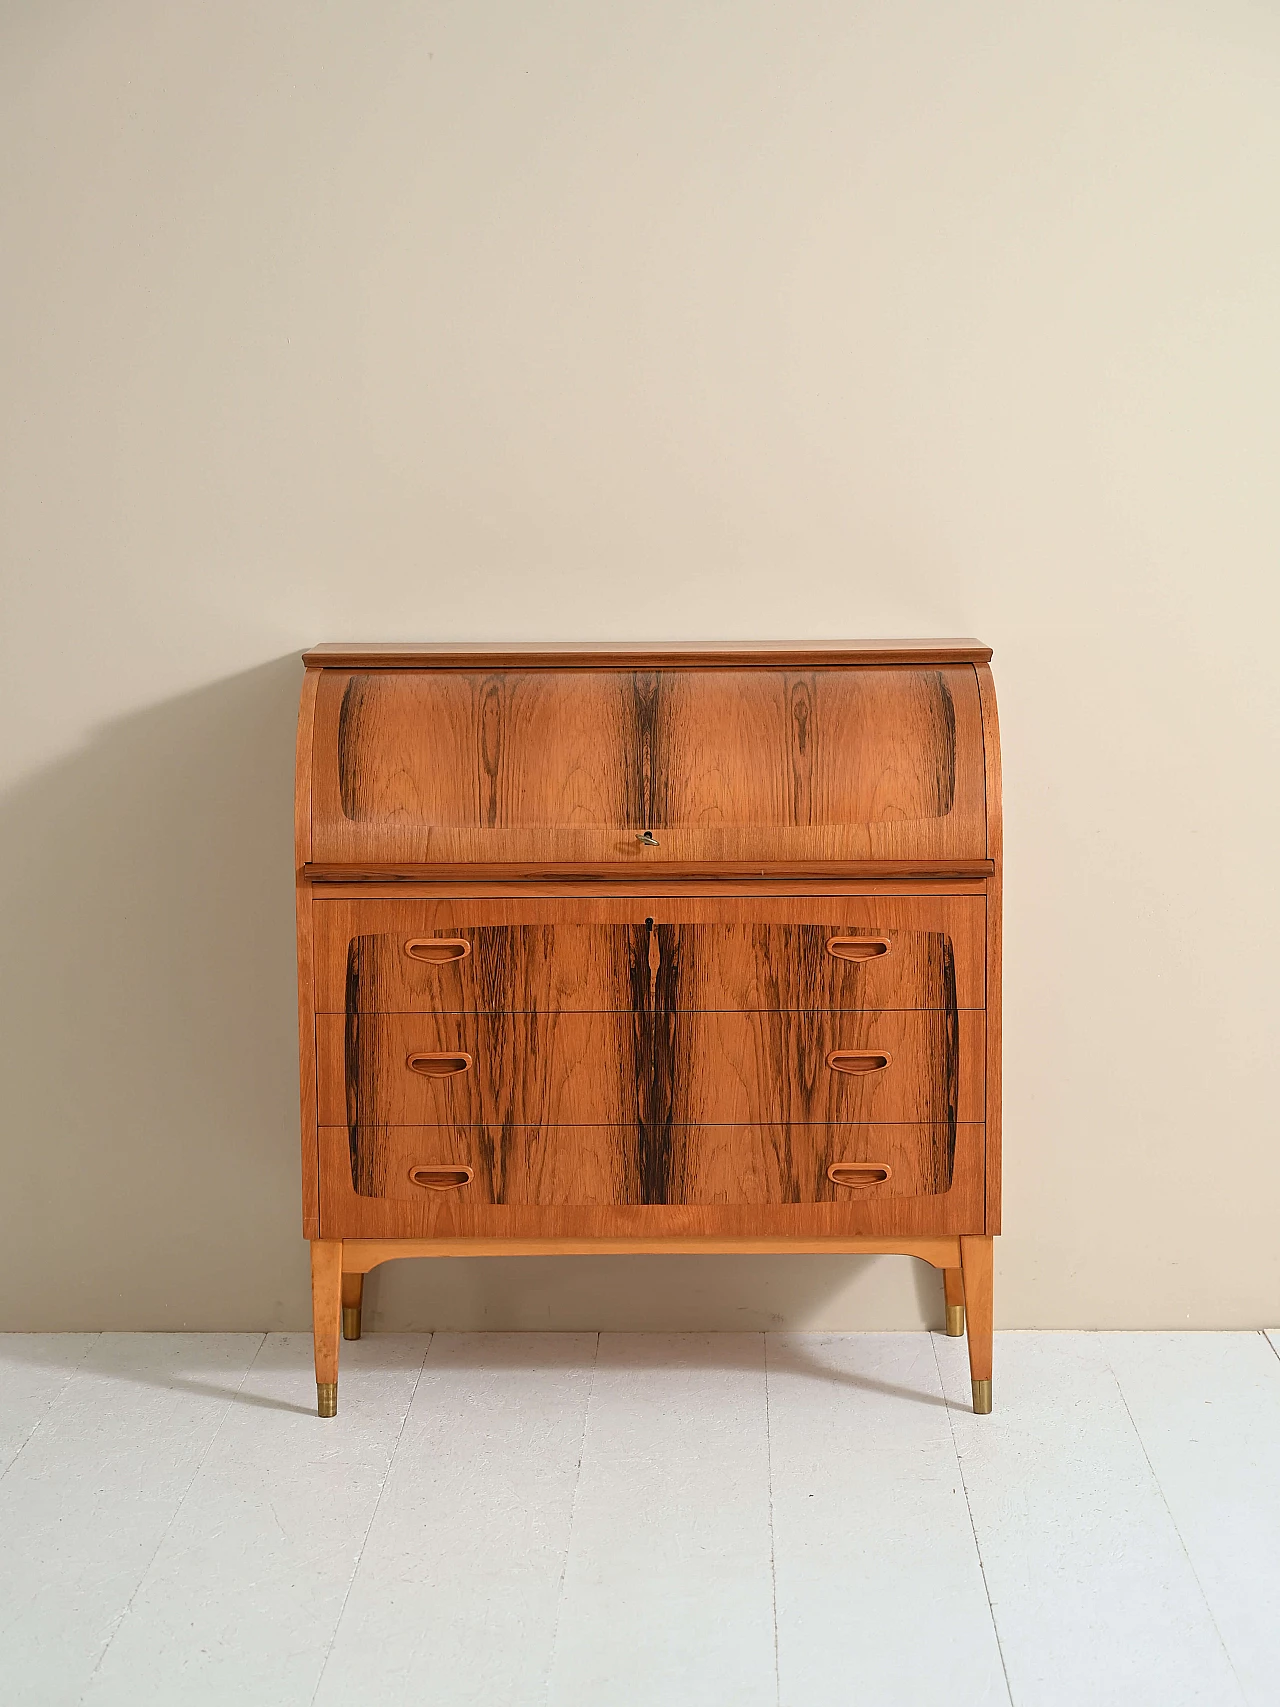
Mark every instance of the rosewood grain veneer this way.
pixel 645 949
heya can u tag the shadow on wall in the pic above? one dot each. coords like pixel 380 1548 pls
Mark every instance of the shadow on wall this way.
pixel 150 1145
pixel 148 1017
pixel 183 1365
pixel 671 1294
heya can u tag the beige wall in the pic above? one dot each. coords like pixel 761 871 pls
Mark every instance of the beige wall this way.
pixel 659 319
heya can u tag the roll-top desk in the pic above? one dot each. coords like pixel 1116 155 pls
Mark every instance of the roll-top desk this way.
pixel 684 948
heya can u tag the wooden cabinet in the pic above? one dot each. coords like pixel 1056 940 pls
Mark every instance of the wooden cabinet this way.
pixel 658 949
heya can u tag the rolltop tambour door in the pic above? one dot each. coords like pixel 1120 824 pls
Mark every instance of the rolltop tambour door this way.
pixel 458 766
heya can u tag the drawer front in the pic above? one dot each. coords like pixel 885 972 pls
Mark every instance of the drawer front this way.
pixel 649 953
pixel 432 1167
pixel 573 765
pixel 523 1069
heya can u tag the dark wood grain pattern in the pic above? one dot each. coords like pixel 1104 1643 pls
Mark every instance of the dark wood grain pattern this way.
pixel 517 968
pixel 659 1069
pixel 576 955
pixel 559 1183
pixel 766 965
pixel 773 1066
pixel 585 1166
pixel 571 766
pixel 646 1031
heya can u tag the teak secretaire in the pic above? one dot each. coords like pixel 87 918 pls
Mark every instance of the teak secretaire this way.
pixel 687 948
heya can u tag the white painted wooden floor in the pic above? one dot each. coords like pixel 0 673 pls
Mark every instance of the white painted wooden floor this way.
pixel 690 1520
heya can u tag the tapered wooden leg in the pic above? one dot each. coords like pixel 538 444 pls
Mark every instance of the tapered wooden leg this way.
pixel 953 1286
pixel 975 1259
pixel 326 1296
pixel 352 1298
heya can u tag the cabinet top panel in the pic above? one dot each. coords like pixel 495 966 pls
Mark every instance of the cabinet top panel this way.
pixel 608 654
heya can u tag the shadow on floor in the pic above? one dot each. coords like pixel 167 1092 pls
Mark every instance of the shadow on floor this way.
pixel 507 1351
pixel 723 1351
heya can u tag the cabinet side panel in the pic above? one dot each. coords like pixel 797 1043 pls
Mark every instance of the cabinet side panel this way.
pixel 995 937
pixel 302 769
pixel 307 1068
pixel 306 979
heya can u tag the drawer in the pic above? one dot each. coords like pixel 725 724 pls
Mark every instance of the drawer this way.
pixel 528 1069
pixel 760 764
pixel 460 956
pixel 586 1166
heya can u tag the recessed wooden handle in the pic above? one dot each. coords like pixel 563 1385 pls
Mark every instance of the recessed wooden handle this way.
pixel 858 947
pixel 441 1178
pixel 858 1060
pixel 436 1066
pixel 855 1174
pixel 438 950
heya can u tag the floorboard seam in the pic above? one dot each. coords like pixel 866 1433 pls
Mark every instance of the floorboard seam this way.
pixel 41 1419
pixel 1164 1501
pixel 973 1527
pixel 573 1512
pixel 145 1572
pixel 368 1528
pixel 773 1552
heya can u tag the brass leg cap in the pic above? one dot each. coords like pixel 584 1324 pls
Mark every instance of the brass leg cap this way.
pixel 327 1398
pixel 982 1398
pixel 955 1321
pixel 351 1321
